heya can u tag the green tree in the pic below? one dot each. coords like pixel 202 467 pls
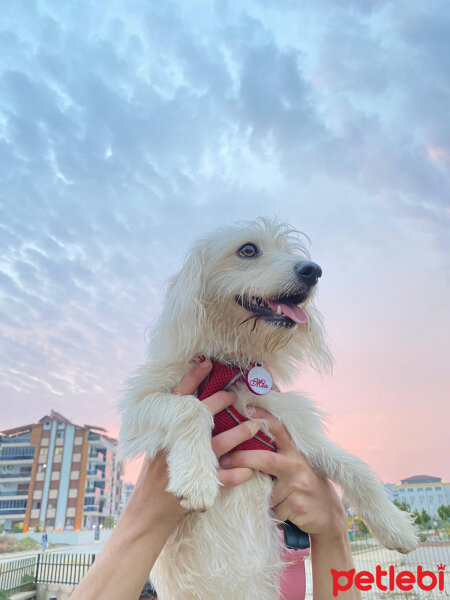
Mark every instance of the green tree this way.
pixel 108 522
pixel 363 527
pixel 402 506
pixel 444 512
pixel 422 519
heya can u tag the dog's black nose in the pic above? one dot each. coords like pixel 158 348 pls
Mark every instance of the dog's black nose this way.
pixel 308 272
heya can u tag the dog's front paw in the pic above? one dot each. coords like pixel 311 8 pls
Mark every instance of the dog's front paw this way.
pixel 196 493
pixel 397 533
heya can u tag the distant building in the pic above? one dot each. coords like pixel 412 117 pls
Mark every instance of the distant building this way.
pixel 127 491
pixel 58 475
pixel 422 492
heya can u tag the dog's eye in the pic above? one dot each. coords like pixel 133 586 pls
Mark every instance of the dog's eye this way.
pixel 248 251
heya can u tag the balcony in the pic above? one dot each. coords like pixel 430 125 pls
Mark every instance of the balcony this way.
pixel 13 511
pixel 23 475
pixel 97 457
pixel 23 493
pixel 94 473
pixel 93 508
pixel 93 490
pixel 16 440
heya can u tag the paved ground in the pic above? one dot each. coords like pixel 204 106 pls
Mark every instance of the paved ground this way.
pixel 92 548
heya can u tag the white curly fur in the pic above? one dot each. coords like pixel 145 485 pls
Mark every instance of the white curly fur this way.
pixel 232 551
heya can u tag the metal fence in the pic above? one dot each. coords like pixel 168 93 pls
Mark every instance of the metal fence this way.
pixel 66 568
pixel 62 567
pixel 367 554
pixel 18 574
pixel 52 567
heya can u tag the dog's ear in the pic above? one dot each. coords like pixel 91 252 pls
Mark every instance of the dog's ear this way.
pixel 181 325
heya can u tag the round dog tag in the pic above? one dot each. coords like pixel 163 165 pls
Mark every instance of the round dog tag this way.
pixel 259 380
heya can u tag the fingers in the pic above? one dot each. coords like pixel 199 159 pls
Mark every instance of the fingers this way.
pixel 283 440
pixel 190 382
pixel 226 441
pixel 193 379
pixel 290 509
pixel 234 477
pixel 261 460
pixel 220 400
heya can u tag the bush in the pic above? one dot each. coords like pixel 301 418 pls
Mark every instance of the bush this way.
pixel 10 544
pixel 108 522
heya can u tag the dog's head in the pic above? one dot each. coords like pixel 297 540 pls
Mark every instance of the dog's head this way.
pixel 245 294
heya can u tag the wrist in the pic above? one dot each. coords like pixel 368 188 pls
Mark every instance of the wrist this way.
pixel 336 530
pixel 144 518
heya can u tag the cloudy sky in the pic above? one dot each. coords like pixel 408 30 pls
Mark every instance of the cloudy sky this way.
pixel 129 128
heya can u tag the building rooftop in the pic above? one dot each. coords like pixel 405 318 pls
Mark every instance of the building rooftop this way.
pixel 56 416
pixel 421 479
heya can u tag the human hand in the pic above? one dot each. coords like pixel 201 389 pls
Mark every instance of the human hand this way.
pixel 299 495
pixel 150 497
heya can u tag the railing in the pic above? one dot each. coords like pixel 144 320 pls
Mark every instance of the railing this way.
pixel 26 475
pixel 13 511
pixel 368 554
pixel 17 440
pixel 15 493
pixel 18 574
pixel 94 472
pixel 62 568
pixel 92 508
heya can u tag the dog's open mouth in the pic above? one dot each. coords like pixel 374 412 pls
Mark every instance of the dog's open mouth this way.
pixel 284 310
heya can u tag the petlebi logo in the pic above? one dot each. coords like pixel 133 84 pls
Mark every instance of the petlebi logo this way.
pixel 388 580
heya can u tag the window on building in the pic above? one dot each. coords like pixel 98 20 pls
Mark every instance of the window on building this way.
pixel 17 452
pixel 429 489
pixel 60 434
pixel 70 522
pixel 410 491
pixel 61 425
pixel 5 505
pixel 51 505
pixel 43 451
pixel 36 505
pixel 58 450
pixel 47 425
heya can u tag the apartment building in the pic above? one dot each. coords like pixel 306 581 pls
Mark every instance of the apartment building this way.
pixel 57 475
pixel 127 491
pixel 422 492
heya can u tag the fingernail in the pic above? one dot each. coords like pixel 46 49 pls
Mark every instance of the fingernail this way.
pixel 205 364
pixel 225 461
pixel 254 427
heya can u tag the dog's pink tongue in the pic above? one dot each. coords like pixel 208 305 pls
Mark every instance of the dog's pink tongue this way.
pixel 295 313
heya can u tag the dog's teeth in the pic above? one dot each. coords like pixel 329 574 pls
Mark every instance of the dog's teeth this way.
pixel 279 310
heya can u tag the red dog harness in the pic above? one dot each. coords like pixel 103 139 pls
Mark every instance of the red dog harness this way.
pixel 222 377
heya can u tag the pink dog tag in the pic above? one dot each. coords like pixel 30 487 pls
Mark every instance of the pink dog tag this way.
pixel 259 380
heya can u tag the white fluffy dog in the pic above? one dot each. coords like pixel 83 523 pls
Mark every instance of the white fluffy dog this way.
pixel 244 295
